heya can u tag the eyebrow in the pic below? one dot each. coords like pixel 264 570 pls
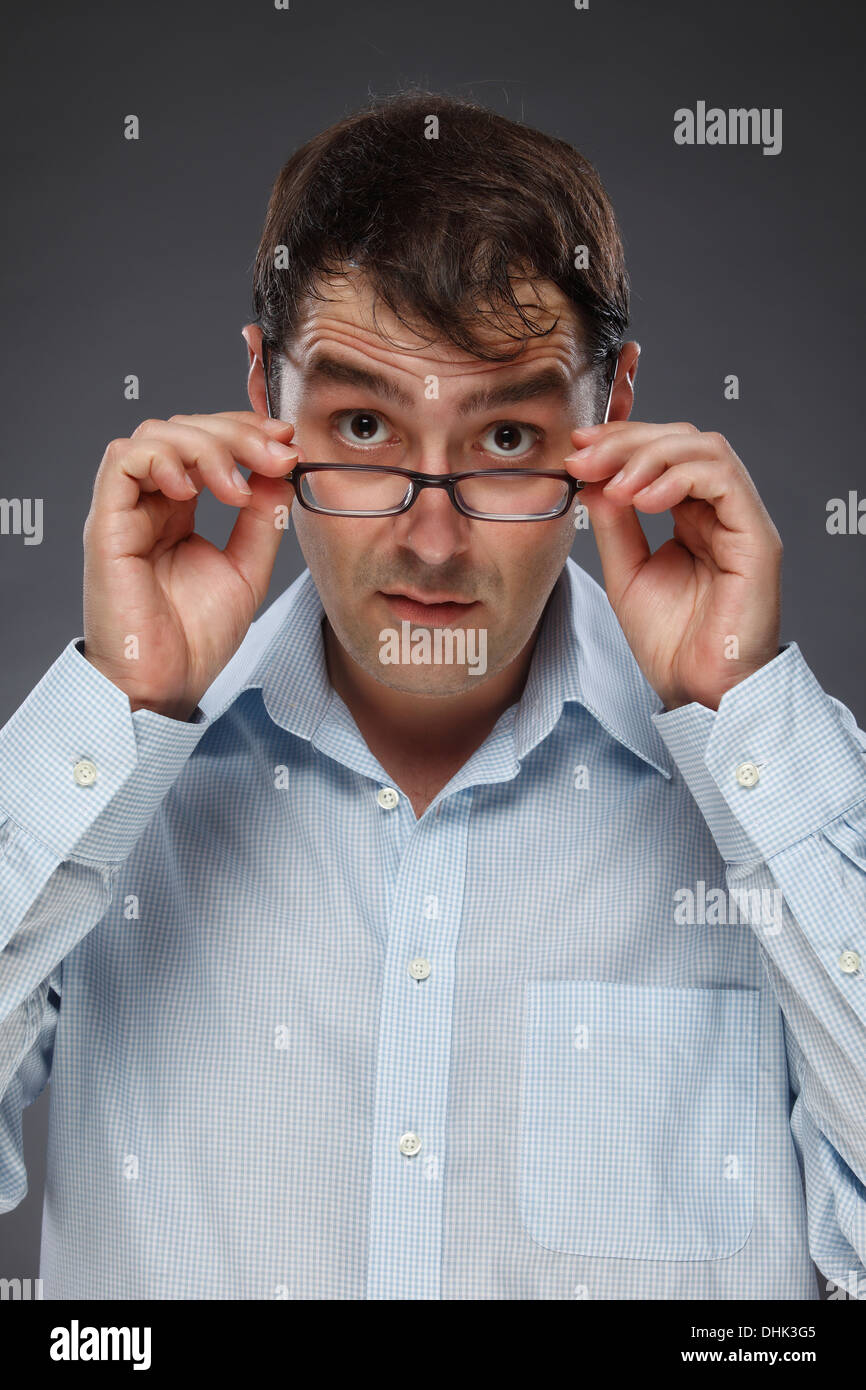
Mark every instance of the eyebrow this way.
pixel 550 381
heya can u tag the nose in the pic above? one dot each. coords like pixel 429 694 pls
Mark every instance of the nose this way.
pixel 433 527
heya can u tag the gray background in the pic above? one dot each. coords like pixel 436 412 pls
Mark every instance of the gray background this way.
pixel 136 256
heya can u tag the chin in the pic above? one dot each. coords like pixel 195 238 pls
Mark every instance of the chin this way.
pixel 419 682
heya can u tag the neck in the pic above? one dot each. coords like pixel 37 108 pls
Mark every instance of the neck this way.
pixel 435 725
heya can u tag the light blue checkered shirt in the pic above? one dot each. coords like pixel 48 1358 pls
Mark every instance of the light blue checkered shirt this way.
pixel 560 1038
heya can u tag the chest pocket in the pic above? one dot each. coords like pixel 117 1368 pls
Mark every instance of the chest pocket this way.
pixel 637 1119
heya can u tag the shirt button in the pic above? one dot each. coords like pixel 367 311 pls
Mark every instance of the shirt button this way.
pixel 419 968
pixel 409 1144
pixel 747 774
pixel 84 772
pixel 849 961
pixel 387 798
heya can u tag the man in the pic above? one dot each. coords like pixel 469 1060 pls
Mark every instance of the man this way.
pixel 363 974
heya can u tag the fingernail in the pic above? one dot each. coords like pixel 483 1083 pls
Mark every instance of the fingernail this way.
pixel 576 458
pixel 617 478
pixel 240 481
pixel 280 451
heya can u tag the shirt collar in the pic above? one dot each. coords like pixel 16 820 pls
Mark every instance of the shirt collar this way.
pixel 581 655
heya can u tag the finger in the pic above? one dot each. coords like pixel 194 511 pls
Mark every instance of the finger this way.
pixel 695 527
pixel 248 445
pixel 255 420
pixel 205 456
pixel 614 427
pixel 602 457
pixel 131 467
pixel 650 460
pixel 729 491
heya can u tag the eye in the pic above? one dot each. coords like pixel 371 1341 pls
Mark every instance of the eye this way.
pixel 514 440
pixel 361 427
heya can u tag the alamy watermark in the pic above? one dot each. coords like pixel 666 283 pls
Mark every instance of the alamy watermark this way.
pixel 77 1343
pixel 727 906
pixel 20 1290
pixel 22 516
pixel 737 126
pixel 846 518
pixel 444 646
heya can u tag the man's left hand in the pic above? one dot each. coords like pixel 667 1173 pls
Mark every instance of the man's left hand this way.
pixel 704 611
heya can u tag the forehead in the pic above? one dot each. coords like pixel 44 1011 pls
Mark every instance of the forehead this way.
pixel 352 317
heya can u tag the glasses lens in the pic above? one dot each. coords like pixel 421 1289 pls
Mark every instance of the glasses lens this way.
pixel 501 493
pixel 514 495
pixel 354 490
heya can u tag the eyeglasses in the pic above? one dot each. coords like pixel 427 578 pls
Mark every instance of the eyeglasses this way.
pixel 361 489
pixel 489 494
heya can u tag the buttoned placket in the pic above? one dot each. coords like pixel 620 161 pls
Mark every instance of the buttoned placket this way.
pixel 414 1044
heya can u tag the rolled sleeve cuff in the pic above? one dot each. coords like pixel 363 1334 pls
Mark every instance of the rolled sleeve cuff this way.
pixel 810 765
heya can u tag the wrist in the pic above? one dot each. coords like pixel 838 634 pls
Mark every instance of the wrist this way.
pixel 181 709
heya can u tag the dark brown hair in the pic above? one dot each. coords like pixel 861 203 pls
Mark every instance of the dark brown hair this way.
pixel 439 226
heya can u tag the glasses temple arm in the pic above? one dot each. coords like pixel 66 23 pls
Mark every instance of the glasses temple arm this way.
pixel 265 366
pixel 610 389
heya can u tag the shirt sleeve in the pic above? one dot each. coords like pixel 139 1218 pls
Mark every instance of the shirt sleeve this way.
pixel 779 774
pixel 80 777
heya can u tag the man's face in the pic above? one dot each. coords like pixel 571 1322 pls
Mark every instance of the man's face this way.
pixel 427 413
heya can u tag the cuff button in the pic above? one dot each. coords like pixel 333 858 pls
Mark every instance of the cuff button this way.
pixel 747 774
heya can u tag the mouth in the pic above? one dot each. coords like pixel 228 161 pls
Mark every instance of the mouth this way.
pixel 429 611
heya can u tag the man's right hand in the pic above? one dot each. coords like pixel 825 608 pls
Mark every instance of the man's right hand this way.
pixel 148 576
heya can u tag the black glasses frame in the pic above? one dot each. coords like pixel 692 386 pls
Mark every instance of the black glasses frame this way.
pixel 448 481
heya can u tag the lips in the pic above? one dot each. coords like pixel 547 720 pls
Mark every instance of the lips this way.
pixel 429 612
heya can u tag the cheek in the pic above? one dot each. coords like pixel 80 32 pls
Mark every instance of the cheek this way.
pixel 330 548
pixel 531 566
pixel 313 540
pixel 528 553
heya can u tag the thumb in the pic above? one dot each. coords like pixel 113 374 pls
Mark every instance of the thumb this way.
pixel 260 526
pixel 622 546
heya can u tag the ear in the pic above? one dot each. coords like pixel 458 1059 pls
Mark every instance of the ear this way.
pixel 256 376
pixel 622 396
